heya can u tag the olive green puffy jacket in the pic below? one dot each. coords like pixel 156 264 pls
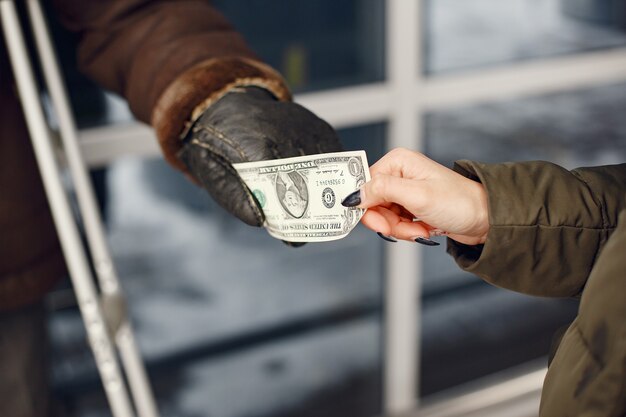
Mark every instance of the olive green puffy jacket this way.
pixel 561 233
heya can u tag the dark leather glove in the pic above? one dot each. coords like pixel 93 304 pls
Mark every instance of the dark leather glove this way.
pixel 249 124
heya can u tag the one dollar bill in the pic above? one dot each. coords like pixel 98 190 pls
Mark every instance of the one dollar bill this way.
pixel 301 196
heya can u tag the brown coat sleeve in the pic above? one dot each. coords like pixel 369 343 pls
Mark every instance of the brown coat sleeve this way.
pixel 547 224
pixel 164 57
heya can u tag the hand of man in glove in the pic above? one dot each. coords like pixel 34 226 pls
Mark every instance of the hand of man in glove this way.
pixel 249 124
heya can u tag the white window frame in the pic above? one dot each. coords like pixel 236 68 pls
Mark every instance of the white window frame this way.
pixel 400 101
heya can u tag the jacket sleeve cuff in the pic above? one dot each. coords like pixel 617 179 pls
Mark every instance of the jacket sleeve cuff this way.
pixel 198 88
pixel 545 228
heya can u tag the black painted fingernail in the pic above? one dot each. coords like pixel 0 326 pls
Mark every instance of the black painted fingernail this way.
pixel 425 241
pixel 352 200
pixel 387 238
pixel 294 244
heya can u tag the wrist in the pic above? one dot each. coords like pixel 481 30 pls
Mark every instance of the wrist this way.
pixel 481 228
pixel 197 88
pixel 258 92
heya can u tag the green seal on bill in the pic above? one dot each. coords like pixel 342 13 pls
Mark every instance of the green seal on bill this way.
pixel 260 197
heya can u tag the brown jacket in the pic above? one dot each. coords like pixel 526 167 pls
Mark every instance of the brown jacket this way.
pixel 166 58
pixel 562 233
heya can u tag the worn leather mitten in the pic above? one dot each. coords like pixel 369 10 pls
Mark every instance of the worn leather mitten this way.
pixel 249 124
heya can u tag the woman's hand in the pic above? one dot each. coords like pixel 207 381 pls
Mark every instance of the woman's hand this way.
pixel 407 185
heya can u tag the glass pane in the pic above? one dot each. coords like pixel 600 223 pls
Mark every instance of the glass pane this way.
pixel 222 309
pixel 471 329
pixel 462 34
pixel 315 45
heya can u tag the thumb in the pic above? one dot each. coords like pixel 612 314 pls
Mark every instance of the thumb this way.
pixel 383 189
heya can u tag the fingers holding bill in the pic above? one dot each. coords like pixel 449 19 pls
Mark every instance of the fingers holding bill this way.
pixel 386 221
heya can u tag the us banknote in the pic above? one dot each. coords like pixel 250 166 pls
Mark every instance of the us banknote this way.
pixel 301 196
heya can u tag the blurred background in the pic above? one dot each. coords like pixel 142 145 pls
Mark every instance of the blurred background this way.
pixel 232 323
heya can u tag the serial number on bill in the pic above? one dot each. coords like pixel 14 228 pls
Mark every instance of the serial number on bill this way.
pixel 334 181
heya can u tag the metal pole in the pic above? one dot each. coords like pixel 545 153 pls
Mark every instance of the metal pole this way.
pixel 67 230
pixel 96 237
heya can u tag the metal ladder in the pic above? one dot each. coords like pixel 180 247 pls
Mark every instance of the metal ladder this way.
pixel 103 311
